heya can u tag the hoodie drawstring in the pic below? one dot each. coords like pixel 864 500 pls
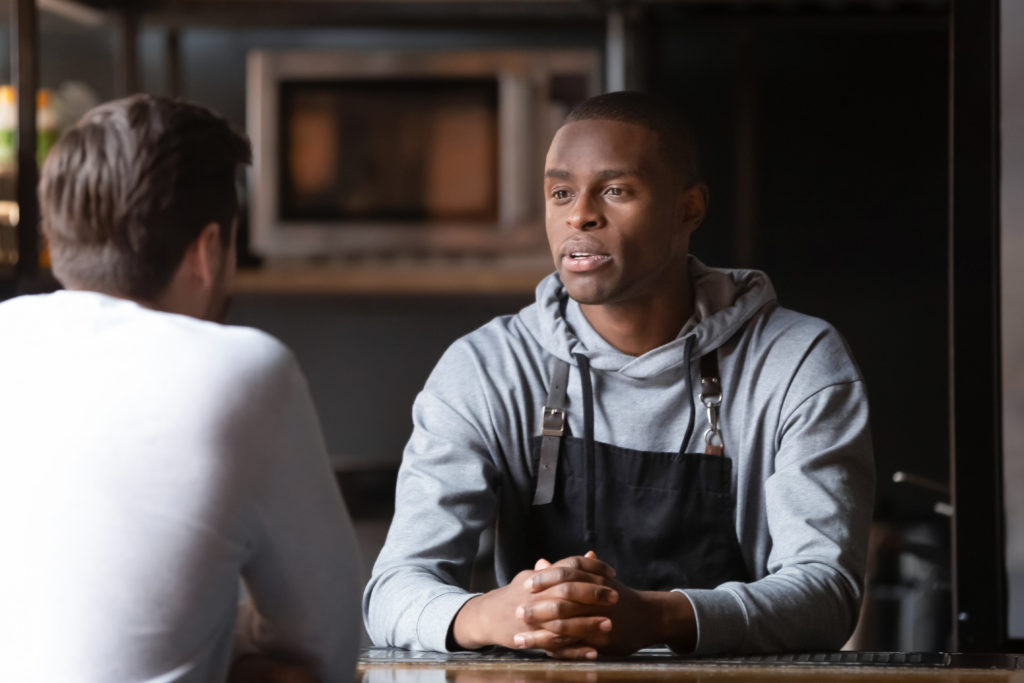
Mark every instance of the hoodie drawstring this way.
pixel 687 351
pixel 589 533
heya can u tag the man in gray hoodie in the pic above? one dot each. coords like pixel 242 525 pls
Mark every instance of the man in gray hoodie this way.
pixel 665 454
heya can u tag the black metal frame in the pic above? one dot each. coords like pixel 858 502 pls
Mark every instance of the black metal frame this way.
pixel 25 68
pixel 979 569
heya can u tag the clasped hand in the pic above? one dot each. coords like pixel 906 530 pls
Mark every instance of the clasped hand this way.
pixel 573 609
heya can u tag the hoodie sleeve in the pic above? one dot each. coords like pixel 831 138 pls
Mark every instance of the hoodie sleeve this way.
pixel 447 494
pixel 819 503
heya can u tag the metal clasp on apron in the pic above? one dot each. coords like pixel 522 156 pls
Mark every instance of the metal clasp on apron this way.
pixel 711 397
pixel 713 435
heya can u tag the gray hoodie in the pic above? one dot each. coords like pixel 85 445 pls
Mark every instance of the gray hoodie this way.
pixel 794 419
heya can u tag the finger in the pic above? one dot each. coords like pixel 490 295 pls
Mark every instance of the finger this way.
pixel 523 577
pixel 588 563
pixel 538 613
pixel 557 645
pixel 579 592
pixel 541 564
pixel 574 653
pixel 557 574
pixel 581 626
pixel 590 632
pixel 542 639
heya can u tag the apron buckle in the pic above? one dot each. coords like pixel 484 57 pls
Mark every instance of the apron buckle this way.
pixel 552 421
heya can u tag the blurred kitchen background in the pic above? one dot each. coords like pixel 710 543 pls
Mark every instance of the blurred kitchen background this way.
pixel 825 140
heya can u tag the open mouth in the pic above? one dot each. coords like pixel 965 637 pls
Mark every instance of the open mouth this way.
pixel 580 261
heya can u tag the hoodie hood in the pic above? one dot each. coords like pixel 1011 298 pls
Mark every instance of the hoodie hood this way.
pixel 723 301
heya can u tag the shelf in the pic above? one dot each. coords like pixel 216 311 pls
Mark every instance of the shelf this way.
pixel 415 278
pixel 298 13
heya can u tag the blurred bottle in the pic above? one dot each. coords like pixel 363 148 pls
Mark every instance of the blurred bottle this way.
pixel 8 130
pixel 47 132
pixel 8 167
pixel 47 125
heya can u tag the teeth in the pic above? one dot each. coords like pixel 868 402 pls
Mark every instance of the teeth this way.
pixel 578 254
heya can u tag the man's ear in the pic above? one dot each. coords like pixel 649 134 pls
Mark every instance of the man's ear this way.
pixel 204 255
pixel 693 206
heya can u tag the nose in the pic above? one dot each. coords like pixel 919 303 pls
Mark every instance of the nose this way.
pixel 585 214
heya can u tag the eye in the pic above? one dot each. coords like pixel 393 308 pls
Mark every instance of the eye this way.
pixel 560 194
pixel 614 191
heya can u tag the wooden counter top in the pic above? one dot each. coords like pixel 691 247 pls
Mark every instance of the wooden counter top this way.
pixel 399 666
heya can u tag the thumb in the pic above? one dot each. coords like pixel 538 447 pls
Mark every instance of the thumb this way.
pixel 541 564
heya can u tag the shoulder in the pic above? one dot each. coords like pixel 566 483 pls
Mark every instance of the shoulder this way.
pixel 247 358
pixel 248 346
pixel 804 339
pixel 30 306
pixel 498 342
pixel 794 355
pixel 488 368
pixel 244 389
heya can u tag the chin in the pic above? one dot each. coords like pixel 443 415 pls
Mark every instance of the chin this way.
pixel 588 296
pixel 591 289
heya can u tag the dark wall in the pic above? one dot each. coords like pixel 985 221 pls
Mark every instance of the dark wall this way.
pixel 825 145
pixel 367 357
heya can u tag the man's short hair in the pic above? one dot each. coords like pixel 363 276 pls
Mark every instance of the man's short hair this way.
pixel 128 188
pixel 675 135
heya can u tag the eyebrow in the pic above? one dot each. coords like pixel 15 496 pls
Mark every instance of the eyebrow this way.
pixel 611 173
pixel 607 174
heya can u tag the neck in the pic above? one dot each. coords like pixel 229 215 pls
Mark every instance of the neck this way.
pixel 636 326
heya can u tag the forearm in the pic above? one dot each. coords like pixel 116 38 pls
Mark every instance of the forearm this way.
pixel 446 496
pixel 673 621
pixel 807 607
pixel 817 514
pixel 412 608
pixel 470 628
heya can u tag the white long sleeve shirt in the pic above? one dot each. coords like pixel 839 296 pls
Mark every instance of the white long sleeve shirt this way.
pixel 149 460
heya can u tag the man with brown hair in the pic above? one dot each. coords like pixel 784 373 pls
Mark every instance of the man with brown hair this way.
pixel 153 456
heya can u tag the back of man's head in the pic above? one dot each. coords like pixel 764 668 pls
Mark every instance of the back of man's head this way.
pixel 675 135
pixel 124 192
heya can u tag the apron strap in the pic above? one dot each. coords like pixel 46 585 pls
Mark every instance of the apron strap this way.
pixel 711 397
pixel 552 421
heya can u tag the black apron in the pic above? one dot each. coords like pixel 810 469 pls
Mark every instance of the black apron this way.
pixel 662 520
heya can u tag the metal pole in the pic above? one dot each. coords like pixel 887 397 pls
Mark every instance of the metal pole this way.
pixel 615 50
pixel 172 62
pixel 623 67
pixel 979 569
pixel 129 57
pixel 25 69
